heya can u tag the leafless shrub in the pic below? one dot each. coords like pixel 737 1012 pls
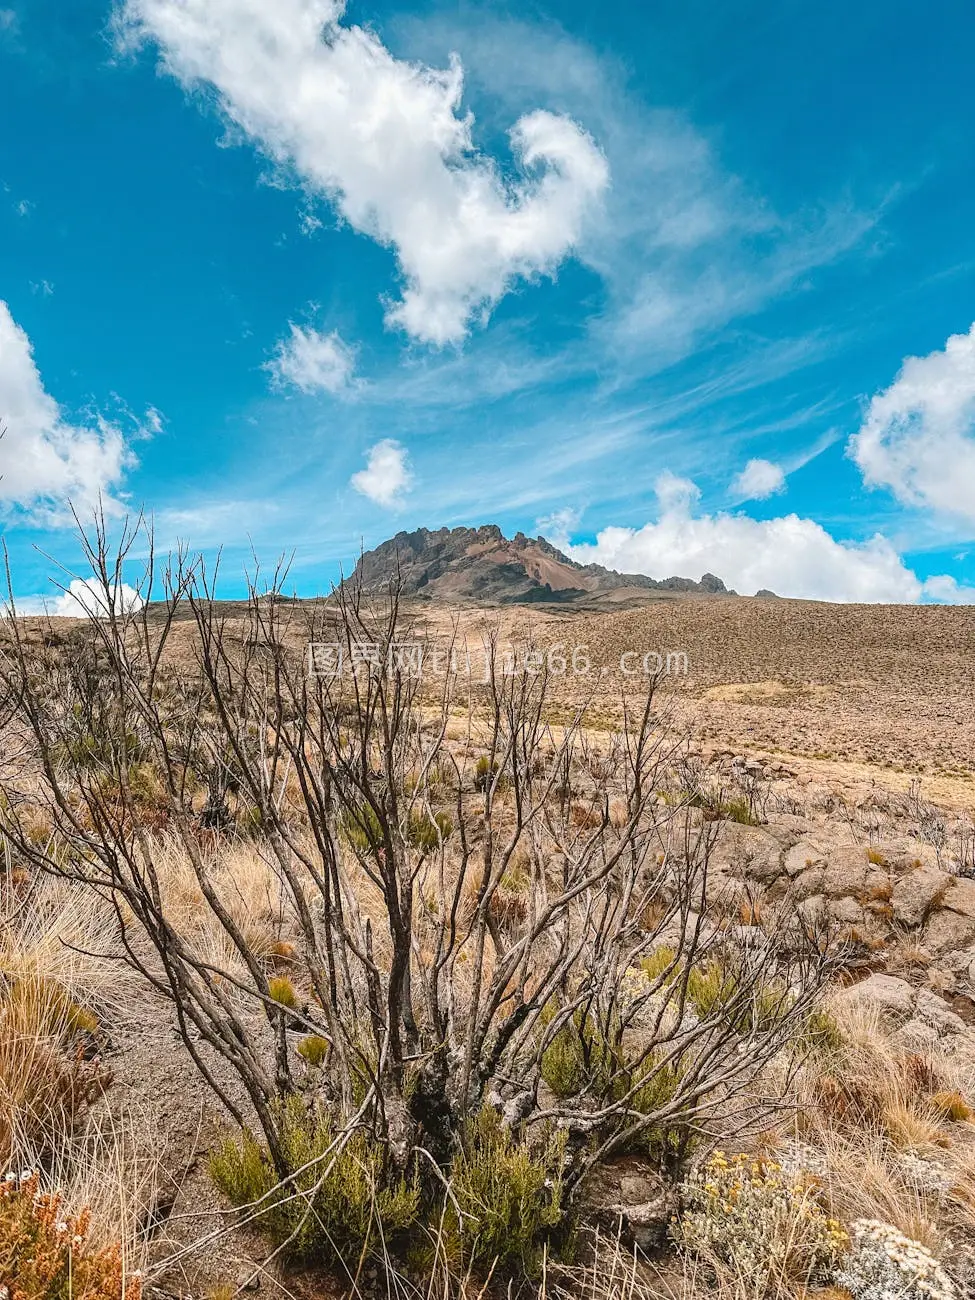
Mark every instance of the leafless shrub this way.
pixel 454 918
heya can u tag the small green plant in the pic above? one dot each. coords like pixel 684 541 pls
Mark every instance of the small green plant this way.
pixel 714 807
pixel 738 810
pixel 281 990
pixel 340 1202
pixel 819 1033
pixel 506 1199
pixel 97 745
pixel 485 770
pixel 251 820
pixel 657 965
pixel 313 1049
pixel 563 1064
pixel 361 828
pixel 427 833
pixel 579 1059
pixel 715 988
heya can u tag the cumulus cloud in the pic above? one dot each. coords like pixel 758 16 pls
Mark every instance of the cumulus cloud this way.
pixel 312 362
pixel 84 597
pixel 758 480
pixel 789 555
pixel 918 438
pixel 45 460
pixel 388 142
pixel 387 474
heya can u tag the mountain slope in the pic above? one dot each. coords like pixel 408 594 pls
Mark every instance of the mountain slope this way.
pixel 482 566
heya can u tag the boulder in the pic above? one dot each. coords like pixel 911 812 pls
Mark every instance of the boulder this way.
pixel 750 851
pixel 960 897
pixel 893 997
pixel 936 1012
pixel 847 911
pixel 947 930
pixel 847 871
pixel 808 883
pixel 916 893
pixel 628 1197
pixel 804 856
pixel 916 1036
pixel 814 909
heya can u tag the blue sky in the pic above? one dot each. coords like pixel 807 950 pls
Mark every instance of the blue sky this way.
pixel 684 286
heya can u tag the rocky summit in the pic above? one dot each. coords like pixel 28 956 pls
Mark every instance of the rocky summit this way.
pixel 482 566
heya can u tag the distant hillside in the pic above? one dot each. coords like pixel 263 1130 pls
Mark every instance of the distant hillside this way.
pixel 481 566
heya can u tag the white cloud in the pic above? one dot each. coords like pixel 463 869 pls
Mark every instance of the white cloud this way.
pixel 8 21
pixel 388 142
pixel 387 474
pixel 84 597
pixel 558 526
pixel 789 555
pixel 947 591
pixel 312 362
pixel 918 438
pixel 45 460
pixel 758 480
pixel 675 494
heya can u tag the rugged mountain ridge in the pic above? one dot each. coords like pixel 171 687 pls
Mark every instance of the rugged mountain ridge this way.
pixel 482 566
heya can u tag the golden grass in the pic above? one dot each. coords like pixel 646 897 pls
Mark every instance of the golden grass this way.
pixel 888 1131
pixel 58 979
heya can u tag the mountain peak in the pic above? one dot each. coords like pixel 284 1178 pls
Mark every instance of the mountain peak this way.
pixel 482 566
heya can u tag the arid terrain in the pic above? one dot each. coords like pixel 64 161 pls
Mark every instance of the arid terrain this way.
pixel 811 768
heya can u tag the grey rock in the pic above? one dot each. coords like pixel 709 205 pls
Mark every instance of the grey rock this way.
pixel 804 856
pixel 916 892
pixel 813 909
pixel 935 1011
pixel 947 930
pixel 628 1197
pixel 847 911
pixel 960 896
pixel 847 871
pixel 916 1036
pixel 893 997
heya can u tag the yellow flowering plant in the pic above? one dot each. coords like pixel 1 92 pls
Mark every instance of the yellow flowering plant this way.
pixel 750 1219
